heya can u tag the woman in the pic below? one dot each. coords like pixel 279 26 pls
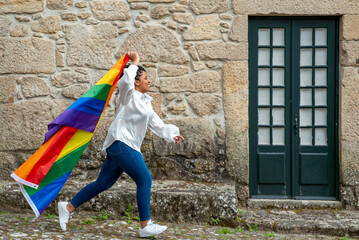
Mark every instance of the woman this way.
pixel 122 147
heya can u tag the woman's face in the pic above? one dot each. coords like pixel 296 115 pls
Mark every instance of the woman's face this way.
pixel 143 85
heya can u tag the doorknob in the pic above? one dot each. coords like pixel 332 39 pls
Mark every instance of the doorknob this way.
pixel 296 125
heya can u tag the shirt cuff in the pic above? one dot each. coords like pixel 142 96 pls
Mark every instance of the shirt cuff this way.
pixel 133 68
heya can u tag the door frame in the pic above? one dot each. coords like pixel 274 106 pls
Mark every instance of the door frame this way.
pixel 252 149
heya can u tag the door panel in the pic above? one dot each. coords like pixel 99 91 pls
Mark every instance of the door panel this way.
pixel 292 70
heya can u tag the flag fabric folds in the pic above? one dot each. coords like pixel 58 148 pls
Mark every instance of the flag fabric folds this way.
pixel 44 174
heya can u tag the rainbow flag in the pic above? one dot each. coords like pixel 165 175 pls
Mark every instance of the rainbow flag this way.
pixel 44 174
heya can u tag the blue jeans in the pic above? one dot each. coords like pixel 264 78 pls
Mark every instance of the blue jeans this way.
pixel 121 157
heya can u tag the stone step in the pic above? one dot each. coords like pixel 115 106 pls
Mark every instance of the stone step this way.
pixel 173 201
pixel 334 222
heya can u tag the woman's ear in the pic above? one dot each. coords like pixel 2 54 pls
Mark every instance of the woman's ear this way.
pixel 137 82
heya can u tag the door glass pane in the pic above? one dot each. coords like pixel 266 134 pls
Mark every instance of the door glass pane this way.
pixel 263 56
pixel 264 136
pixel 305 136
pixel 278 36
pixel 321 77
pixel 306 57
pixel 278 96
pixel 263 96
pixel 305 97
pixel 305 77
pixel 278 136
pixel 278 76
pixel 264 37
pixel 306 37
pixel 320 116
pixel 278 56
pixel 321 136
pixel 305 117
pixel 263 76
pixel 320 36
pixel 320 96
pixel 320 56
pixel 263 116
pixel 278 116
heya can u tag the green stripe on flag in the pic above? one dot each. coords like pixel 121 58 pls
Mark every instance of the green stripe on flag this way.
pixel 98 92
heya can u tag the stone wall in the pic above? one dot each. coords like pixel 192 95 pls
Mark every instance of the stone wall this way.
pixel 53 51
pixel 196 55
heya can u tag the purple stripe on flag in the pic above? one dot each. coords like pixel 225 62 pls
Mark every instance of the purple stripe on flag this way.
pixel 75 119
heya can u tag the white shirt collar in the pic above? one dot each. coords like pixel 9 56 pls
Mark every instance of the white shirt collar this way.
pixel 144 96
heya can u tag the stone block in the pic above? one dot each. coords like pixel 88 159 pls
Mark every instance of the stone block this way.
pixel 31 119
pixel 239 29
pixel 50 24
pixel 197 66
pixel 5 23
pixel 81 4
pixel 350 30
pixel 84 15
pixel 29 55
pixel 205 81
pixel 19 31
pixel 204 103
pixel 178 8
pixel 348 105
pixel 8 89
pixel 110 10
pixel 235 88
pixel 65 79
pixel 21 6
pixel 154 44
pixel 59 4
pixel 172 70
pixel 91 46
pixel 199 139
pixel 209 6
pixel 204 28
pixel 185 18
pixel 349 53
pixel 235 77
pixel 176 84
pixel 75 91
pixel 140 5
pixel 159 12
pixel 34 87
pixel 68 16
pixel 156 103
pixel 304 7
pixel 222 51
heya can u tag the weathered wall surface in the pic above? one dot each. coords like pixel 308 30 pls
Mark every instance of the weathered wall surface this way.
pixel 196 54
pixel 53 51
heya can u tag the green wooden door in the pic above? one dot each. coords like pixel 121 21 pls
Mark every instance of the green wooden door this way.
pixel 293 105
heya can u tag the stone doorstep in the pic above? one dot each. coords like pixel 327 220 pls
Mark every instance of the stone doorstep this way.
pixel 304 221
pixel 173 201
pixel 293 204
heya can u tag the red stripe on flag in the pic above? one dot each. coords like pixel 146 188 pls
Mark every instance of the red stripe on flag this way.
pixel 43 165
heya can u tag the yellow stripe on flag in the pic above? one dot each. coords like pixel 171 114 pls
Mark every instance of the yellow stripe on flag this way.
pixel 79 139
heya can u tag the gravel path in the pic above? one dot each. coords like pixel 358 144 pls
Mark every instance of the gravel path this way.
pixel 17 226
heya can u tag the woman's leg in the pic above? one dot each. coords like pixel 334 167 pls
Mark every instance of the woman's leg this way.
pixel 132 162
pixel 109 174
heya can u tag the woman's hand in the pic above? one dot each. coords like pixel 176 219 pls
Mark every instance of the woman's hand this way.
pixel 178 139
pixel 135 58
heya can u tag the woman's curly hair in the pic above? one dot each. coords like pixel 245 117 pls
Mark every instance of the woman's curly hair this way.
pixel 139 72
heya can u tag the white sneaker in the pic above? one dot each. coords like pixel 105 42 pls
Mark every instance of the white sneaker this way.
pixel 64 215
pixel 151 229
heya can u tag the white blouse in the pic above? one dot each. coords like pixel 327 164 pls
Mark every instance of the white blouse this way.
pixel 135 114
